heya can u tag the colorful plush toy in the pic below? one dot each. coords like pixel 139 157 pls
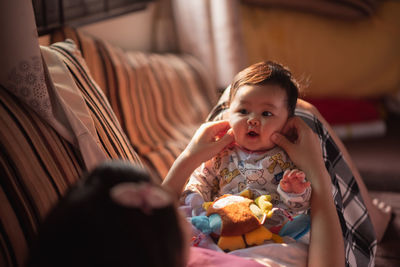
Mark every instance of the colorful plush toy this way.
pixel 237 221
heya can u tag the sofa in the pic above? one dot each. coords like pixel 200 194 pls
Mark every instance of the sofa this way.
pixel 144 106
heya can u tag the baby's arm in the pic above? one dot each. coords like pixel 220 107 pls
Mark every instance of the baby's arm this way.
pixel 206 143
pixel 200 188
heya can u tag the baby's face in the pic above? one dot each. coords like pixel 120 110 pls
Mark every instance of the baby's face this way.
pixel 255 113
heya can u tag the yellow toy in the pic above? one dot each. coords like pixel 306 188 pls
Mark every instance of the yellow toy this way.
pixel 237 221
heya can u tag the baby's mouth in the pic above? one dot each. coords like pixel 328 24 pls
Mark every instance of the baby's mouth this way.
pixel 252 134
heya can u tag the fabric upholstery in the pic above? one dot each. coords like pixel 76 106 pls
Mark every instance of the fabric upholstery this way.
pixel 37 165
pixel 159 99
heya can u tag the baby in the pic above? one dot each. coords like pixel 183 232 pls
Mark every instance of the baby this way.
pixel 262 98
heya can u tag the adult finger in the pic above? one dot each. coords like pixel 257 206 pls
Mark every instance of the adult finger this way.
pixel 222 124
pixel 209 131
pixel 291 130
pixel 218 128
pixel 227 139
pixel 282 141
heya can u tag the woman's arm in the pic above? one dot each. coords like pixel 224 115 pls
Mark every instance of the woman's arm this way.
pixel 326 241
pixel 379 218
pixel 208 140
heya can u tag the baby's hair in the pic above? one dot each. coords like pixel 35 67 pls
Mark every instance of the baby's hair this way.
pixel 89 228
pixel 268 73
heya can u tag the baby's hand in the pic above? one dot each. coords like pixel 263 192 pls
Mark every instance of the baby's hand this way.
pixel 293 181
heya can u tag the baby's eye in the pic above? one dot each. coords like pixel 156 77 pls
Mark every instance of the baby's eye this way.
pixel 243 111
pixel 266 114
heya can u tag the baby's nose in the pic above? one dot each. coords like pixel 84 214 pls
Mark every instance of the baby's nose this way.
pixel 253 122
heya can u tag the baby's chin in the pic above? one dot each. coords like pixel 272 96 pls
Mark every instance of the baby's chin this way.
pixel 257 149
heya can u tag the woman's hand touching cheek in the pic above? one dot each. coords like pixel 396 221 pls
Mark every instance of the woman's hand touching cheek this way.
pixel 304 148
pixel 209 140
pixel 302 145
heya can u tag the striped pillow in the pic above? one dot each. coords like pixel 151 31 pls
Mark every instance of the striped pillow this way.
pixel 159 99
pixel 37 165
pixel 114 141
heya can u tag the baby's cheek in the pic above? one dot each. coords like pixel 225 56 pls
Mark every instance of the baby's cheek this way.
pixel 235 130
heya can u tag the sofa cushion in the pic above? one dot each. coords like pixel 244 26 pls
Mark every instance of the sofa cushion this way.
pixel 112 137
pixel 37 165
pixel 159 99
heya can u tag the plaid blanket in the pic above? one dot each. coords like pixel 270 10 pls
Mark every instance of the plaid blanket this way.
pixel 358 234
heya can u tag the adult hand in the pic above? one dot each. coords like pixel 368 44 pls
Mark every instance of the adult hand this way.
pixel 304 149
pixel 302 145
pixel 209 140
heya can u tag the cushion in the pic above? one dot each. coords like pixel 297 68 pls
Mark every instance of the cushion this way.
pixel 112 137
pixel 159 99
pixel 37 165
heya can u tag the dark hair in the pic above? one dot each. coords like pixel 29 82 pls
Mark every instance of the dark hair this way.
pixel 268 72
pixel 88 228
